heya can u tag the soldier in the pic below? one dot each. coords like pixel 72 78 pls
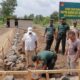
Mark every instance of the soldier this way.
pixel 49 59
pixel 62 30
pixel 46 60
pixel 49 34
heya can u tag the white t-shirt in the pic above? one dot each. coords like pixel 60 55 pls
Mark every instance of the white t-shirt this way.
pixel 29 41
pixel 73 46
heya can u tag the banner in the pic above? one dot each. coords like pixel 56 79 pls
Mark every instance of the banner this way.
pixel 69 10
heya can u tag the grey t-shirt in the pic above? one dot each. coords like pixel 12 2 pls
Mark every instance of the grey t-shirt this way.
pixel 72 47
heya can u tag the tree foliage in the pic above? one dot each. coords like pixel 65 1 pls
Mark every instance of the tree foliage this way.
pixel 31 16
pixel 8 7
pixel 25 16
pixel 55 16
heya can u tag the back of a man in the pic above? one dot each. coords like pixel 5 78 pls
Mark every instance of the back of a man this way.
pixel 45 54
pixel 49 58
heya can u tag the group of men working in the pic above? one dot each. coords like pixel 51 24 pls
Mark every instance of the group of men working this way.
pixel 47 58
pixel 70 40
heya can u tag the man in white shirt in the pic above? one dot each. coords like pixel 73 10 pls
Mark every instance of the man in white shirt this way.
pixel 30 44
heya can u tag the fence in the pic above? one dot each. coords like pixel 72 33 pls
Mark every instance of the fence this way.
pixel 29 72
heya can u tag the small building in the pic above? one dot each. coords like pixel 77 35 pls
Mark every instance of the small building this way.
pixel 21 23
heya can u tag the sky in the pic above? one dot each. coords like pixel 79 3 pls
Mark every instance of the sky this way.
pixel 37 7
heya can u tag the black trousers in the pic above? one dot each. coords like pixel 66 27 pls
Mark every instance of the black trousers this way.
pixel 49 44
pixel 50 64
pixel 59 39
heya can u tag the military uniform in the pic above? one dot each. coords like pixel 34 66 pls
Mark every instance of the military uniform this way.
pixel 49 37
pixel 62 30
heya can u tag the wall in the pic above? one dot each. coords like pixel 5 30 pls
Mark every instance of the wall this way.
pixel 22 23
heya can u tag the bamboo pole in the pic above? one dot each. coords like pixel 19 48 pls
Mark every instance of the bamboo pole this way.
pixel 56 71
pixel 29 72
pixel 40 71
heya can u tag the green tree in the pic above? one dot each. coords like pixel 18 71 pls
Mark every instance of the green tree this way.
pixel 8 7
pixel 46 21
pixel 14 16
pixel 39 19
pixel 25 17
pixel 31 16
pixel 55 16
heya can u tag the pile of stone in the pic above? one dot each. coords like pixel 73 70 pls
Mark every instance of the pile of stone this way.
pixel 13 60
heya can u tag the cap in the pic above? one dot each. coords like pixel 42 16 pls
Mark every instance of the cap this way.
pixel 29 29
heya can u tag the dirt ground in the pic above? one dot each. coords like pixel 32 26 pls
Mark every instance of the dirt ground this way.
pixel 41 43
pixel 61 61
pixel 3 30
pixel 6 36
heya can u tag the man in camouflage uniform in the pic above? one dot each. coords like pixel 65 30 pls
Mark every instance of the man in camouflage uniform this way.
pixel 49 34
pixel 62 30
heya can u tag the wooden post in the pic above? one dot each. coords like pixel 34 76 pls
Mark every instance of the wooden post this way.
pixel 30 75
pixel 47 76
pixel 3 76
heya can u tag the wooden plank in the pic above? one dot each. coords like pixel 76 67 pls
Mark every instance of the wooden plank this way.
pixel 56 71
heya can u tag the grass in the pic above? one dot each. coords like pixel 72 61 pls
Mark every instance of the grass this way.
pixel 1 24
